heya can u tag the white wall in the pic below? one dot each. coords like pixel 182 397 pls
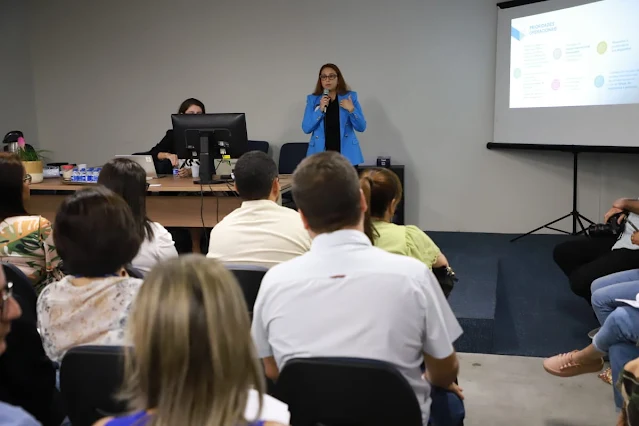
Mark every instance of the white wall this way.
pixel 109 74
pixel 17 103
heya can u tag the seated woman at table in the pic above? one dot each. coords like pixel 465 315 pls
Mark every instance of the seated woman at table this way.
pixel 164 153
pixel 128 179
pixel 97 236
pixel 383 192
pixel 25 240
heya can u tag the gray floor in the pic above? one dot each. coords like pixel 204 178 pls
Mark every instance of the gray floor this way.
pixel 516 391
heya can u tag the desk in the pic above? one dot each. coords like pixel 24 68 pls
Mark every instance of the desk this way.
pixel 167 204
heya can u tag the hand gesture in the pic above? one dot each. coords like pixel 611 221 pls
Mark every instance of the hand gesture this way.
pixel 324 103
pixel 184 172
pixel 167 156
pixel 347 104
pixel 635 238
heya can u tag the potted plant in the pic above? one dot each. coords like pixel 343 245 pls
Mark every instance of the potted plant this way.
pixel 32 160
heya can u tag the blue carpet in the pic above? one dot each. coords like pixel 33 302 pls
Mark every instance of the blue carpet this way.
pixel 535 312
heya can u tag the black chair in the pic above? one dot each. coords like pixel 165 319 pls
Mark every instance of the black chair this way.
pixel 250 278
pixel 347 392
pixel 27 376
pixel 291 154
pixel 258 146
pixel 90 377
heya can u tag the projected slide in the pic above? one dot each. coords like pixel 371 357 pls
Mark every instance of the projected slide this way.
pixel 585 55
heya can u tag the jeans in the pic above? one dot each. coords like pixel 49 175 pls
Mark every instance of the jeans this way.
pixel 446 408
pixel 621 285
pixel 621 326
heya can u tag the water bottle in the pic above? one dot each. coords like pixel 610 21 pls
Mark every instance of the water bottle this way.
pixel 96 174
pixel 176 171
pixel 90 174
pixel 75 177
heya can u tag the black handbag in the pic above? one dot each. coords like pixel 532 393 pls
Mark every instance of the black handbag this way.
pixel 446 277
pixel 611 228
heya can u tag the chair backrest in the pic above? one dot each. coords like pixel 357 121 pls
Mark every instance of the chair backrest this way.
pixel 250 278
pixel 347 392
pixel 291 154
pixel 90 377
pixel 23 290
pixel 258 146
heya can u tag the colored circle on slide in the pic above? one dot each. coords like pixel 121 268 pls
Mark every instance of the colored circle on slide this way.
pixel 557 53
pixel 599 81
pixel 602 47
pixel 517 73
pixel 556 84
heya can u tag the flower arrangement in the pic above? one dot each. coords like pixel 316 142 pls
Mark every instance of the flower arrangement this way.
pixel 28 153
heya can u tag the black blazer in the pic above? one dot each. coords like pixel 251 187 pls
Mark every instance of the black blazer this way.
pixel 167 144
pixel 27 376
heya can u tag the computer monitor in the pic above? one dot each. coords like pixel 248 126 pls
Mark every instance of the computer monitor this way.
pixel 209 136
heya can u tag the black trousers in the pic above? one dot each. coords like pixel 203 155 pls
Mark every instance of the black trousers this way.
pixel 583 260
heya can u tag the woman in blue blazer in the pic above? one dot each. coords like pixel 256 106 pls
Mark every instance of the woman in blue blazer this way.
pixel 332 116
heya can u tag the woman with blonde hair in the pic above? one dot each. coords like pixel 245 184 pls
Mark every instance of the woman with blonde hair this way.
pixel 192 360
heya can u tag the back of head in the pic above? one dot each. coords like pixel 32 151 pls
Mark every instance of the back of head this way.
pixel 95 233
pixel 193 359
pixel 11 186
pixel 326 190
pixel 127 178
pixel 255 173
pixel 381 188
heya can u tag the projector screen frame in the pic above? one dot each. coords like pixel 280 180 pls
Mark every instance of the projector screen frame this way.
pixel 517 3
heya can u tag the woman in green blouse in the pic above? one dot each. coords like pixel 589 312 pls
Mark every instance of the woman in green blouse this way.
pixel 383 191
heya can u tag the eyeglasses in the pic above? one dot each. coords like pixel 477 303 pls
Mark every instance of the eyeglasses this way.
pixel 27 179
pixel 328 77
pixel 7 293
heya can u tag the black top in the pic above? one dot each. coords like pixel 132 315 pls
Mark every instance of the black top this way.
pixel 331 127
pixel 167 144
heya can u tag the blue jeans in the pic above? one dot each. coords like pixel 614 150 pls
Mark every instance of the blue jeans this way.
pixel 621 285
pixel 621 326
pixel 446 408
pixel 619 355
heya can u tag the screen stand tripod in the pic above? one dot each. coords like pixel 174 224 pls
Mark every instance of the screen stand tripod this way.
pixel 576 216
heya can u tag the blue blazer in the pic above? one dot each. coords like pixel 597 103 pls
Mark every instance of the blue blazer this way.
pixel 313 123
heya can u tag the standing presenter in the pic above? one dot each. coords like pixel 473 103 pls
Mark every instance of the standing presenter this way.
pixel 332 116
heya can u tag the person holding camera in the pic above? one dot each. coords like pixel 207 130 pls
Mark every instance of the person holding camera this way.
pixel 584 260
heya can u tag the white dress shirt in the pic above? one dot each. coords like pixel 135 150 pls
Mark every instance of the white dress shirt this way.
pixel 152 251
pixel 346 298
pixel 261 233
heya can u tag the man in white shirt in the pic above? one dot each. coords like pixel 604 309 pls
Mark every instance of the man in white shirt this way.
pixel 260 232
pixel 346 298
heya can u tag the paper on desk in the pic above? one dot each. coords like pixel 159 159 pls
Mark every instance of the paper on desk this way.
pixel 633 303
pixel 155 184
pixel 273 410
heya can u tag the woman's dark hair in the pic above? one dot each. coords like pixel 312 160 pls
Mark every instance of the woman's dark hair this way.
pixel 188 103
pixel 11 186
pixel 128 179
pixel 342 87
pixel 380 187
pixel 95 233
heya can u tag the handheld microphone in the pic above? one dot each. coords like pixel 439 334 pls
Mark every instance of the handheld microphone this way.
pixel 326 92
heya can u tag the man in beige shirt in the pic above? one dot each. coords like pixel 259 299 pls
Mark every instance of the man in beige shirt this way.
pixel 260 232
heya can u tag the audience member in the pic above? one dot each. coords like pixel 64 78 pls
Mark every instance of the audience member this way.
pixel 9 311
pixel 260 232
pixel 192 360
pixel 27 376
pixel 96 236
pixel 128 179
pixel 383 192
pixel 25 240
pixel 346 298
pixel 584 260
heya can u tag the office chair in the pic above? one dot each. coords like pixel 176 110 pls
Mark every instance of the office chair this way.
pixel 90 377
pixel 291 154
pixel 249 277
pixel 258 146
pixel 347 392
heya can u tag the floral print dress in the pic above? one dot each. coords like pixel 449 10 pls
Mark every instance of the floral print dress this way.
pixel 27 242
